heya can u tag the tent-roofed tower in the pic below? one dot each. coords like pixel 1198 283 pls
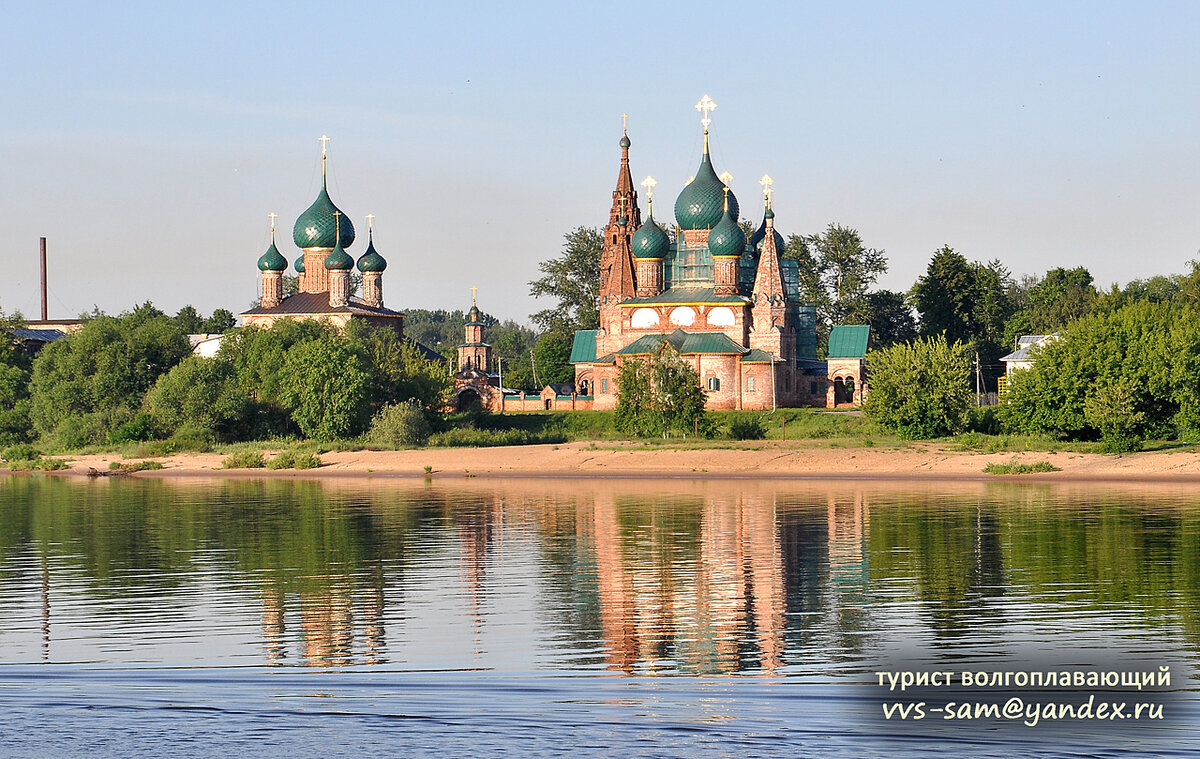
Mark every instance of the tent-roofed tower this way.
pixel 617 277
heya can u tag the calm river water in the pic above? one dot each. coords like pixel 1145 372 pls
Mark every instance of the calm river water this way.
pixel 693 618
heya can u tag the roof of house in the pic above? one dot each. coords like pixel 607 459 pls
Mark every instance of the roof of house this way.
pixel 583 349
pixel 318 303
pixel 39 335
pixel 848 341
pixel 1025 346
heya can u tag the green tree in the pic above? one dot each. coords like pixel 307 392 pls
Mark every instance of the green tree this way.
pixel 93 379
pixel 1151 350
pixel 202 396
pixel 659 394
pixel 16 370
pixel 1113 411
pixel 890 318
pixel 551 358
pixel 221 321
pixel 920 389
pixel 945 297
pixel 190 320
pixel 837 272
pixel 326 384
pixel 573 280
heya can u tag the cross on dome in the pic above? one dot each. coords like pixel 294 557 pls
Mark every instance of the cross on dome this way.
pixel 370 223
pixel 726 177
pixel 706 106
pixel 624 122
pixel 766 183
pixel 272 216
pixel 474 290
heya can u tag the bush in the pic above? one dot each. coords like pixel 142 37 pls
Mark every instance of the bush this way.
pixel 1016 467
pixel 244 460
pixel 747 427
pixel 466 437
pixel 1112 410
pixel 307 461
pixel 920 389
pixel 141 428
pixel 659 395
pixel 20 452
pixel 46 465
pixel 136 466
pixel 293 460
pixel 400 425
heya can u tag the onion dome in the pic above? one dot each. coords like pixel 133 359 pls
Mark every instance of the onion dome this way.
pixel 625 141
pixel 371 260
pixel 474 316
pixel 300 264
pixel 727 238
pixel 701 204
pixel 338 259
pixel 317 227
pixel 756 239
pixel 650 241
pixel 272 260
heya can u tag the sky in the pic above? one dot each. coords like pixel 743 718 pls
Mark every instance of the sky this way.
pixel 148 142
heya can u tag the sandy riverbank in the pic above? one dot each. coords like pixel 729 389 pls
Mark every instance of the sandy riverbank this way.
pixel 748 460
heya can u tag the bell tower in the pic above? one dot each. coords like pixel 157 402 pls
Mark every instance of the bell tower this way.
pixel 617 281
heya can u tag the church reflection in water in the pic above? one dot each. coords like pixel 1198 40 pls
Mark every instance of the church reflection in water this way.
pixel 720 582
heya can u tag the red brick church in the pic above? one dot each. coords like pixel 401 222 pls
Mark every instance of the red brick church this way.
pixel 728 305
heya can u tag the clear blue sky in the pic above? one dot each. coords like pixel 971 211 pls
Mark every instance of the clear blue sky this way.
pixel 148 142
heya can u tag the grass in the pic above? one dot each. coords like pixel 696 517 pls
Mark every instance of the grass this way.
pixel 293 459
pixel 1016 467
pixel 247 459
pixel 42 464
pixel 136 466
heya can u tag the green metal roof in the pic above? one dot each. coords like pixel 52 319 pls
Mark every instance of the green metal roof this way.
pixel 317 227
pixel 688 343
pixel 686 296
pixel 701 203
pixel 272 260
pixel 727 238
pixel 758 356
pixel 371 260
pixel 650 241
pixel 606 360
pixel 583 350
pixel 339 260
pixel 848 341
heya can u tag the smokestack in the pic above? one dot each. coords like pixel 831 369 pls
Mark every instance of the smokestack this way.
pixel 45 315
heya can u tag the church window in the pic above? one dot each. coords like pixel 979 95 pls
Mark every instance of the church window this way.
pixel 750 384
pixel 683 316
pixel 812 388
pixel 714 383
pixel 604 385
pixel 721 316
pixel 644 317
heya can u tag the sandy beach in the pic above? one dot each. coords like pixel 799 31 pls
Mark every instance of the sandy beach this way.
pixel 747 460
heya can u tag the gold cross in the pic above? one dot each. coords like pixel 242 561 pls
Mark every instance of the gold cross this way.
pixel 706 106
pixel 370 223
pixel 726 178
pixel 324 140
pixel 649 183
pixel 766 183
pixel 624 122
pixel 474 290
pixel 337 227
pixel 272 216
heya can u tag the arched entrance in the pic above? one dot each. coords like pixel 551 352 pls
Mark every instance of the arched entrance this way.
pixel 468 400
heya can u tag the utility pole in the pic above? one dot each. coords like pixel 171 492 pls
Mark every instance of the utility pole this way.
pixel 978 381
pixel 45 310
pixel 532 362
pixel 500 365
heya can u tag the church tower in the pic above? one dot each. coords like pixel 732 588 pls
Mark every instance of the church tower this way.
pixel 474 353
pixel 617 279
pixel 371 264
pixel 318 232
pixel 272 264
pixel 770 307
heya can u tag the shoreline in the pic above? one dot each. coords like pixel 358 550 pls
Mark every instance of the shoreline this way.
pixel 775 460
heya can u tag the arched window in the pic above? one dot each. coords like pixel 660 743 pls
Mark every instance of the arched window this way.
pixel 714 383
pixel 604 385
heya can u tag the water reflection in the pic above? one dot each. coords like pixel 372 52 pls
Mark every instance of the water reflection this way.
pixel 703 577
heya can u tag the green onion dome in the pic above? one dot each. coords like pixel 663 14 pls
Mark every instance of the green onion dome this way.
pixel 701 203
pixel 756 239
pixel 625 141
pixel 727 238
pixel 272 260
pixel 300 264
pixel 338 259
pixel 650 241
pixel 371 260
pixel 317 227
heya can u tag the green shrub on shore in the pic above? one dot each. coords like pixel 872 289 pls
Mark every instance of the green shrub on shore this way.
pixel 45 465
pixel 747 427
pixel 400 425
pixel 1016 467
pixel 248 459
pixel 20 452
pixel 291 459
pixel 466 437
pixel 134 466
